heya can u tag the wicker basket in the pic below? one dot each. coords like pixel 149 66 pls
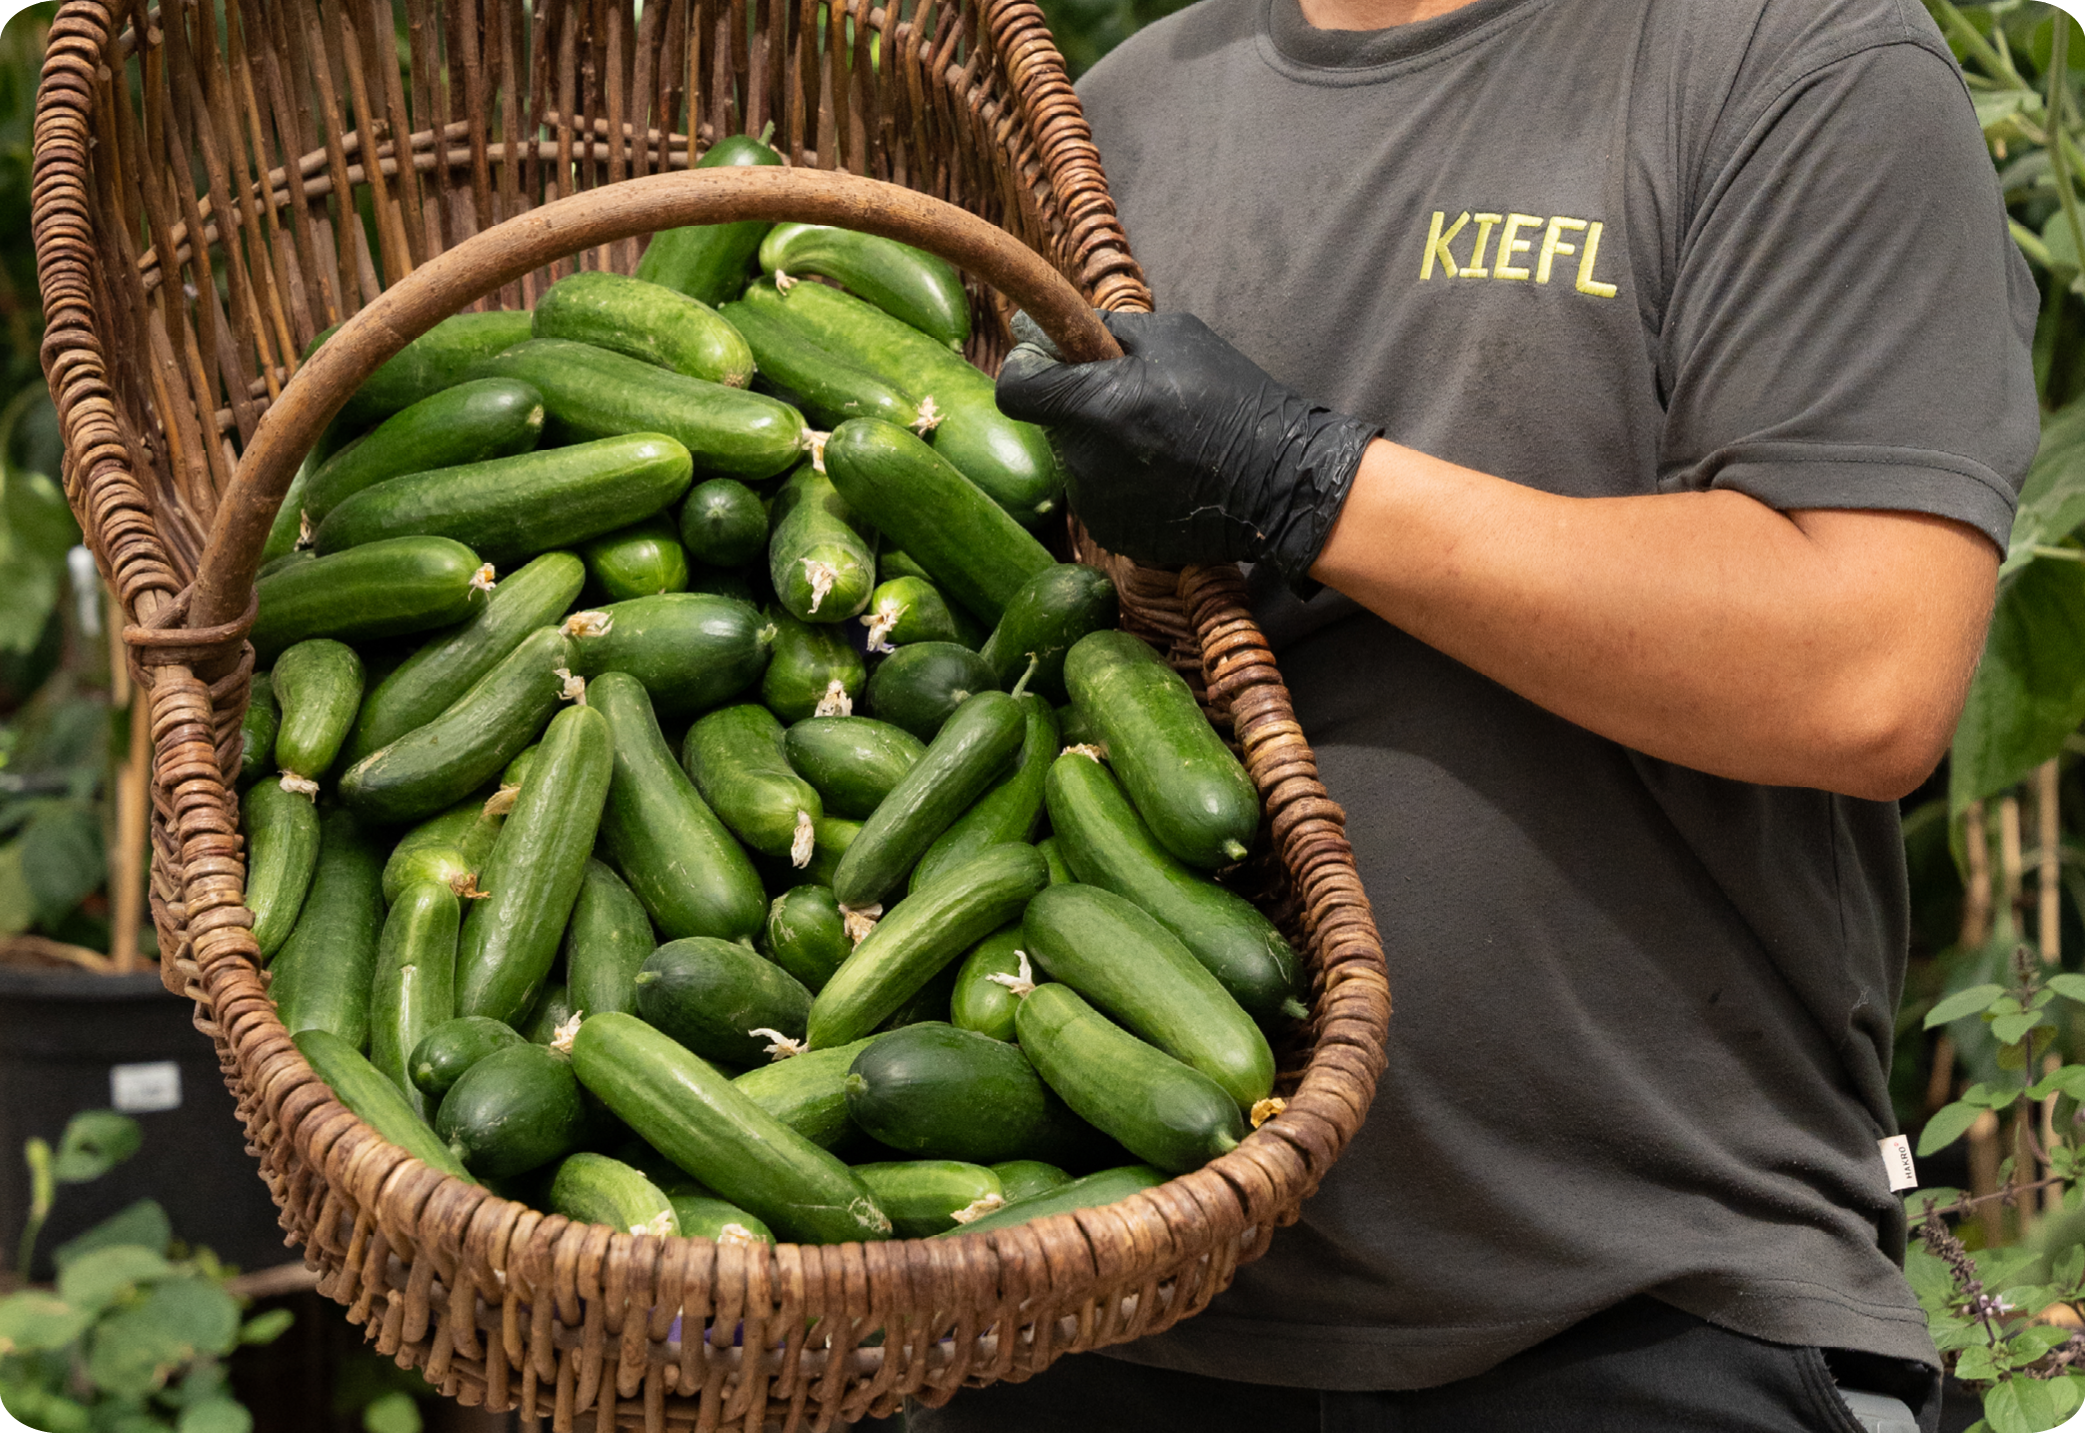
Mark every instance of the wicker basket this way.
pixel 209 193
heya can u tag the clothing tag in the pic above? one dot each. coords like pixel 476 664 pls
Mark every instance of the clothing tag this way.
pixel 145 1089
pixel 1896 1158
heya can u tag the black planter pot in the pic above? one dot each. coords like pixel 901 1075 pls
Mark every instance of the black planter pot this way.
pixel 72 1041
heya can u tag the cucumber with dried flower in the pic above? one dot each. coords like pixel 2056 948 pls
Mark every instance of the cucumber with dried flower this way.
pixel 594 1189
pixel 723 522
pixel 515 1110
pixel 469 423
pixel 822 569
pixel 644 559
pixel 833 835
pixel 369 1093
pixel 721 1000
pixel 906 610
pixel 718 1220
pixel 318 684
pixel 814 671
pixel 1009 812
pixel 452 1047
pixel 257 730
pixel 912 285
pixel 737 760
pixel 547 1014
pixel 830 388
pixel 322 973
pixel 924 1197
pixel 381 589
pixel 919 687
pixel 806 934
pixel 1092 1192
pixel 983 999
pixel 1052 610
pixel 443 847
pixel 646 321
pixel 282 850
pixel 606 941
pixel 853 761
pixel 691 650
pixel 414 989
pixel 710 262
pixel 808 1092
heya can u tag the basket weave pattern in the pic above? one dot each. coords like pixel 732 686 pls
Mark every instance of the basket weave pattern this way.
pixel 208 196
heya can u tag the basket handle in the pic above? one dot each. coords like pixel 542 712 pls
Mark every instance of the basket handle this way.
pixel 499 255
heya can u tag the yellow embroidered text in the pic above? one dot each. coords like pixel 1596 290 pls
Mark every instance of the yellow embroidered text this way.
pixel 1562 238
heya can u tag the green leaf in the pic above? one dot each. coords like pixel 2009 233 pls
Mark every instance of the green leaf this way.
pixel 2034 1342
pixel 46 1409
pixel 265 1328
pixel 2068 1080
pixel 1972 1001
pixel 1995 107
pixel 395 1412
pixel 2067 1394
pixel 1928 1276
pixel 17 903
pixel 2066 1270
pixel 2012 1029
pixel 135 1349
pixel 94 1281
pixel 62 858
pixel 2069 985
pixel 1919 1200
pixel 220 1414
pixel 33 1320
pixel 2020 1405
pixel 1991 1097
pixel 1977 1365
pixel 144 1223
pixel 95 1142
pixel 2029 691
pixel 1949 1123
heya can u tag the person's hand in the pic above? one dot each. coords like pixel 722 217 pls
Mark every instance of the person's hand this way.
pixel 1185 451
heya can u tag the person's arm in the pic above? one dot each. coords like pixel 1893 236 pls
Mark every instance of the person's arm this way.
pixel 1820 648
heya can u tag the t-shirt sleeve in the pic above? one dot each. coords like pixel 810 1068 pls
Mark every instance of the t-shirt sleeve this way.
pixel 1850 322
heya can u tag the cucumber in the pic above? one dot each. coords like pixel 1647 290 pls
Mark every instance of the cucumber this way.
pixel 821 568
pixel 967 755
pixel 980 1003
pixel 710 261
pixel 474 421
pixel 1011 811
pixel 594 1189
pixel 893 563
pixel 920 686
pixel 1025 1178
pixel 1107 845
pixel 721 1000
pixel 605 942
pixel 318 685
pixel 1187 786
pixel 641 560
pixel 853 761
pixel 594 394
pixel 941 1093
pixel 691 650
pixel 1077 728
pixel 257 730
pixel 1060 873
pixel 690 1113
pixel 452 844
pixel 1010 461
pixel 833 836
pixel 718 1220
pixel 515 1110
pixel 1092 1192
pixel 808 1092
pixel 919 936
pixel 289 526
pixel 282 848
pixel 646 321
pixel 513 508
pixel 440 358
pixel 373 1099
pixel 415 985
pixel 1164 1112
pixel 452 1047
pixel 912 285
pixel 738 763
pixel 829 388
pixel 1053 609
pixel 429 681
pixel 1139 974
pixel 806 935
pixel 967 544
pixel 517 770
pixel 510 938
pixel 724 523
pixel 924 1197
pixel 435 766
pixel 689 874
pixel 928 1003
pixel 546 1015
pixel 323 971
pixel 814 672
pixel 906 610
pixel 382 589
pixel 739 584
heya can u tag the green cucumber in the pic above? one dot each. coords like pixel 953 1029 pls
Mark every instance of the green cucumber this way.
pixel 739 584
pixel 828 387
pixel 821 568
pixel 814 671
pixel 442 847
pixel 807 935
pixel 691 877
pixel 532 878
pixel 415 985
pixel 718 1220
pixel 724 523
pixel 833 836
pixel 1053 609
pixel 474 421
pixel 606 941
pixel 646 321
pixel 853 761
pixel 860 333
pixel 318 685
pixel 594 394
pixel 515 1110
pixel 691 650
pixel 912 285
pixel 1077 728
pixel 436 765
pixel 1187 786
pixel 641 560
pixel 928 1003
pixel 1011 811
pixel 1092 1192
pixel 1159 1109
pixel 1106 844
pixel 257 730
pixel 969 752
pixel 440 358
pixel 688 1111
pixel 1139 974
pixel 323 971
pixel 1060 872
pixel 808 1092
pixel 371 1097
pixel 547 1014
pixel 513 508
pixel 919 936
pixel 452 1047
pixel 920 686
pixel 710 261
pixel 968 545
pixel 282 849
pixel 594 1189
pixel 1025 1178
pixel 737 761
pixel 980 1003
pixel 941 1093
pixel 924 1197
pixel 893 563
pixel 906 610
pixel 382 589
pixel 428 682
pixel 1010 461
pixel 289 527
pixel 721 1000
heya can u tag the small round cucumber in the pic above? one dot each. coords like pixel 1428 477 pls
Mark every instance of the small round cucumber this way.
pixel 594 1189
pixel 282 849
pixel 692 650
pixel 721 1000
pixel 718 1220
pixel 452 1047
pixel 381 589
pixel 257 730
pixel 906 610
pixel 605 943
pixel 822 569
pixel 710 261
pixel 979 1002
pixel 808 1092
pixel 1053 609
pixel 323 971
pixel 919 288
pixel 814 671
pixel 893 563
pixel 484 418
pixel 941 1093
pixel 724 523
pixel 919 687
pixel 853 761
pixel 924 1197
pixel 646 321
pixel 828 387
pixel 641 560
pixel 1092 1192
pixel 515 1110
pixel 415 986
pixel 372 1097
pixel 1009 812
pixel 318 684
pixel 807 935
pixel 738 762
pixel 1025 1178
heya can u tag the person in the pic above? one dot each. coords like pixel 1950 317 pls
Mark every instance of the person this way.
pixel 1623 405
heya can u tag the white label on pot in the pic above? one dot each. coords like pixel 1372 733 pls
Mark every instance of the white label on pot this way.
pixel 145 1089
pixel 1896 1158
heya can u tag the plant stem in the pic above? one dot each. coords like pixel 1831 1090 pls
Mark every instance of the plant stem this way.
pixel 2059 160
pixel 42 1189
pixel 1959 28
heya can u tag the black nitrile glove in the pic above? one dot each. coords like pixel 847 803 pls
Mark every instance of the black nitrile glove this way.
pixel 1185 451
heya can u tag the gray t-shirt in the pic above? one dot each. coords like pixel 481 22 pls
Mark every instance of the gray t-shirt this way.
pixel 1601 247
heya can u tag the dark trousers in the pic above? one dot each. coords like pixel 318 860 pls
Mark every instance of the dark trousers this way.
pixel 1641 1367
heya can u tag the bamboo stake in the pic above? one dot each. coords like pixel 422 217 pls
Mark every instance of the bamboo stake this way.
pixel 2047 879
pixel 1940 1084
pixel 2009 854
pixel 2052 1194
pixel 1976 899
pixel 1983 1175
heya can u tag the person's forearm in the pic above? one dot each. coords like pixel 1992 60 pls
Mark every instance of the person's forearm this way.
pixel 1702 628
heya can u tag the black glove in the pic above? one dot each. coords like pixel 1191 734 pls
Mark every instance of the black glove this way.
pixel 1185 451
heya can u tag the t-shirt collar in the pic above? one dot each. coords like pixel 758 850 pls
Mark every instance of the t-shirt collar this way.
pixel 1295 40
